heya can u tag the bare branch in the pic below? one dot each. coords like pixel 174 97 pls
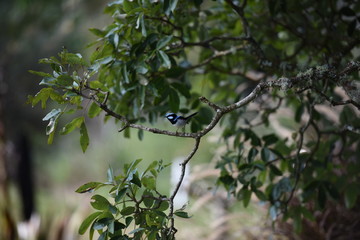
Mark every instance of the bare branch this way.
pixel 240 11
pixel 217 54
pixel 177 187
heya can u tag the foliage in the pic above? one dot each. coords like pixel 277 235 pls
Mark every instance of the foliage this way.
pixel 160 56
pixel 135 204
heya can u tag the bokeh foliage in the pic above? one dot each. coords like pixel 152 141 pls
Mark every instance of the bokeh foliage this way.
pixel 160 56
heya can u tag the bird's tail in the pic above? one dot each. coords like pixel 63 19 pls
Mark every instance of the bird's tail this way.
pixel 190 116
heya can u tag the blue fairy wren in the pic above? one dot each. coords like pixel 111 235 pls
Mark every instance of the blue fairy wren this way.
pixel 179 121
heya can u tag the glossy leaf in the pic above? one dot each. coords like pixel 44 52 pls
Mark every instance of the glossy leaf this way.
pixel 71 126
pixel 163 42
pixel 149 182
pixel 148 200
pixel 94 110
pixel 87 187
pixel 99 202
pixel 84 137
pixel 120 194
pixel 275 170
pixel 273 213
pixel 87 222
pixel 127 211
pixel 181 214
pixel 135 179
pixel 164 59
pixel 252 154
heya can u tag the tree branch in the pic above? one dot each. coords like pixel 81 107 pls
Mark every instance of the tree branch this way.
pixel 217 54
pixel 240 11
pixel 172 229
pixel 220 111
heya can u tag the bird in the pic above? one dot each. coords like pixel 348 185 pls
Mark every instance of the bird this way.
pixel 179 121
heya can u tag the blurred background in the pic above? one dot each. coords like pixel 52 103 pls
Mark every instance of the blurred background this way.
pixel 38 181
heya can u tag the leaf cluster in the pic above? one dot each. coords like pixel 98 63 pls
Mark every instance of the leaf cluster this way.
pixel 133 208
pixel 294 57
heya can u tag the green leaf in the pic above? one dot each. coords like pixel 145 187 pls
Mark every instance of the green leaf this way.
pixel 135 179
pixel 84 137
pixel 283 186
pixel 260 195
pixel 249 134
pixel 351 194
pixel 140 134
pixel 75 123
pixel 244 195
pixel 51 135
pixel 48 81
pixel 148 200
pixel 120 194
pixel 270 139
pixel 164 59
pixel 181 214
pixel 128 5
pixel 174 100
pixel 169 6
pixel 41 74
pixel 103 236
pixel 103 221
pixel 128 220
pixel 52 114
pixel 266 154
pixel 97 32
pixel 149 182
pixel 111 227
pixel 97 84
pixel 152 235
pixel 65 80
pixel 42 96
pixel 125 74
pixel 273 212
pixel 110 175
pixel 142 24
pixel 99 202
pixel 163 42
pixel 173 4
pixel 128 168
pixel 164 205
pixel 87 187
pixel 72 58
pixel 151 166
pixel 94 110
pixel 247 197
pixel 86 223
pixel 136 230
pixel 127 211
pixel 252 154
pixel 275 170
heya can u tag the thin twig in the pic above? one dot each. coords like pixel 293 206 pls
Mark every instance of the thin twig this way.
pixel 298 164
pixel 240 11
pixel 217 54
pixel 172 229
